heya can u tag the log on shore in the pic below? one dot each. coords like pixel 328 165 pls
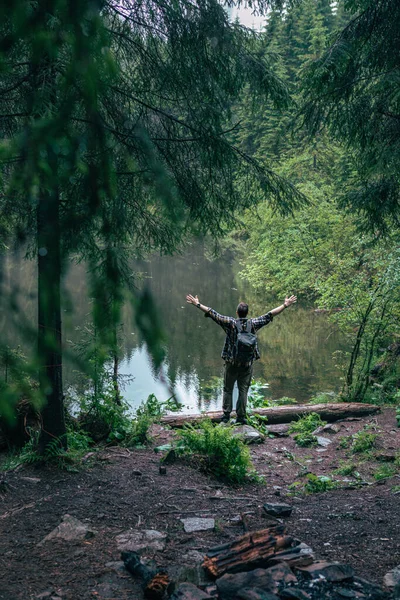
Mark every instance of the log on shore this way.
pixel 285 414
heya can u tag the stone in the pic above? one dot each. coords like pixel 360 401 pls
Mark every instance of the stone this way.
pixel 331 571
pixel 255 594
pixel 44 595
pixel 344 593
pixel 294 594
pixel 193 557
pixel 392 578
pixel 31 479
pixel 189 574
pixel 198 524
pixel 372 590
pixel 116 565
pixel 188 591
pixel 70 530
pixel 279 430
pixel 248 434
pixel 141 541
pixel 280 574
pixel 323 441
pixel 329 428
pixel 229 585
pixel 278 509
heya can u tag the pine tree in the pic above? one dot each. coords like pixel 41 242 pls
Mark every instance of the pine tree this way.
pixel 115 131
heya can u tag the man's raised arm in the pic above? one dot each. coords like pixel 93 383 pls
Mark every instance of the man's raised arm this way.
pixel 194 300
pixel 287 302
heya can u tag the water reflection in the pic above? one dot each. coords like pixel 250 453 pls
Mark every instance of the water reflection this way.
pixel 296 348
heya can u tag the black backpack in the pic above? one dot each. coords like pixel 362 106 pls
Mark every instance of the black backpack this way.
pixel 246 341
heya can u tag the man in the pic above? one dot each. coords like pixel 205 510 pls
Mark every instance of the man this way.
pixel 235 370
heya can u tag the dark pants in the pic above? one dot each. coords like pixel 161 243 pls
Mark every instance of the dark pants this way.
pixel 242 375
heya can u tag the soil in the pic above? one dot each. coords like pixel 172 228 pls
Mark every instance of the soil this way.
pixel 122 489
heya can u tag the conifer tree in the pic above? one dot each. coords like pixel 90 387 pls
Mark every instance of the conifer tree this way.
pixel 115 134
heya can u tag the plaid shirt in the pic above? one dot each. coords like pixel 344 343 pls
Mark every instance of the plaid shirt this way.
pixel 228 324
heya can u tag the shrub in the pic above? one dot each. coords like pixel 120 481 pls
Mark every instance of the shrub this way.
pixel 347 468
pixel 385 471
pixel 363 442
pixel 304 428
pixel 324 398
pixel 217 450
pixel 317 484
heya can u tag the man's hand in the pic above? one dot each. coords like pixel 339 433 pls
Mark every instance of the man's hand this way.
pixel 289 301
pixel 192 299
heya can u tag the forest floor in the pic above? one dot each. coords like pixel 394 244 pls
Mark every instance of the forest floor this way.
pixel 121 490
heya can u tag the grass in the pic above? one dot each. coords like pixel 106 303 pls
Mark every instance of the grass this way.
pixel 363 442
pixel 303 429
pixel 347 469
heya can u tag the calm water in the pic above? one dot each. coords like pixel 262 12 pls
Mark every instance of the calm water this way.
pixel 296 348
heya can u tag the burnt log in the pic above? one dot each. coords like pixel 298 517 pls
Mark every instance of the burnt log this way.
pixel 155 582
pixel 284 414
pixel 251 551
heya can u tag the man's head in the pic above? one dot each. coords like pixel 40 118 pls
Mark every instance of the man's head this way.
pixel 242 310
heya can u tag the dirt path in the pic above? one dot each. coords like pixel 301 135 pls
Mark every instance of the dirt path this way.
pixel 124 490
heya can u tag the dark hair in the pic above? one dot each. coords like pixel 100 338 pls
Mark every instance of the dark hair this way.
pixel 242 310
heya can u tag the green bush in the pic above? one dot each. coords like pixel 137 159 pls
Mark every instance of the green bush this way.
pixel 216 450
pixel 317 484
pixel 324 398
pixel 385 471
pixel 304 428
pixel 363 442
pixel 347 468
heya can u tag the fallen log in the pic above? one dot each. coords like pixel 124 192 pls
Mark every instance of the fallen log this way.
pixel 249 552
pixel 284 414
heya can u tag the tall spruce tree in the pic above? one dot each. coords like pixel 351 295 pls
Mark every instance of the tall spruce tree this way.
pixel 354 89
pixel 115 134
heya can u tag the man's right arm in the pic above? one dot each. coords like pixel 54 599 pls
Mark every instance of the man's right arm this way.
pixel 210 312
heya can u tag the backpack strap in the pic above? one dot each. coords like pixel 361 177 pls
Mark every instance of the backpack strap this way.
pixel 239 325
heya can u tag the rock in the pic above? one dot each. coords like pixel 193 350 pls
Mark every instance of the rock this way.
pixel 331 571
pixel 136 473
pixel 396 592
pixel 188 591
pixel 44 595
pixel 248 434
pixel 255 594
pixel 372 590
pixel 294 594
pixel 141 541
pixel 278 509
pixel 116 565
pixel 299 556
pixel 329 428
pixel 31 479
pixel 344 593
pixel 323 441
pixel 198 524
pixel 229 585
pixel 189 574
pixel 280 574
pixel 279 430
pixel 192 557
pixel 70 530
pixel 392 578
pixel 162 470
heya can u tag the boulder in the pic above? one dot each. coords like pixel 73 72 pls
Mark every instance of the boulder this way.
pixel 278 509
pixel 392 578
pixel 141 541
pixel 331 571
pixel 188 591
pixel 70 530
pixel 198 524
pixel 229 585
pixel 248 434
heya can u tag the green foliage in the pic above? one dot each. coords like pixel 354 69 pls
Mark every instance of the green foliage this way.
pixel 385 471
pixel 256 398
pixel 347 468
pixel 284 401
pixel 345 441
pixel 305 440
pixel 324 398
pixel 307 424
pixel 78 443
pixel 317 484
pixel 398 416
pixel 216 450
pixel 363 442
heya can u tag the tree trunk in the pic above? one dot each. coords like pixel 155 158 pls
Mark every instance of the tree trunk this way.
pixel 285 414
pixel 49 311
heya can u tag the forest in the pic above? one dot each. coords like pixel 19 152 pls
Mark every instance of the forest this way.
pixel 159 148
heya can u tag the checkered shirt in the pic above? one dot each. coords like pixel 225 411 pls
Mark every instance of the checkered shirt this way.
pixel 228 324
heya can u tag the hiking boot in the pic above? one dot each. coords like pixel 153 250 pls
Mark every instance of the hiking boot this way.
pixel 241 421
pixel 225 419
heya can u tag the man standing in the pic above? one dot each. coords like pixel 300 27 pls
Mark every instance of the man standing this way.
pixel 240 350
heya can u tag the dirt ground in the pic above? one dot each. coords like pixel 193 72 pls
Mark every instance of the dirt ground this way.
pixel 123 489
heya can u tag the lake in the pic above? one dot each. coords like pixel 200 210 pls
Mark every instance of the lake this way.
pixel 296 348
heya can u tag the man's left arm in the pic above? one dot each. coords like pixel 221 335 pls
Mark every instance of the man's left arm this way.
pixel 288 301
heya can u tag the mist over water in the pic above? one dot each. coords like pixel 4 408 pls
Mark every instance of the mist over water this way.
pixel 296 348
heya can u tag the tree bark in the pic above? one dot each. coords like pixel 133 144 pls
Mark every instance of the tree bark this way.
pixel 49 311
pixel 285 414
